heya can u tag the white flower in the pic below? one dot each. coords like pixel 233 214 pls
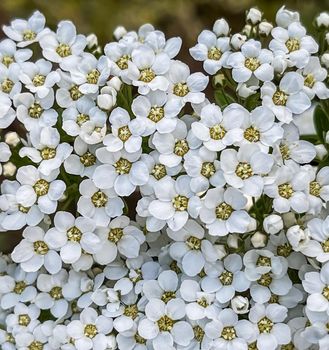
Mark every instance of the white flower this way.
pixel 251 61
pixel 147 69
pixel 36 188
pixel 38 77
pixel 23 319
pixel 47 150
pixel 218 130
pixel 99 205
pixel 271 331
pixel 9 79
pixel 212 51
pixel 7 113
pixel 119 237
pixel 184 86
pixel 34 251
pixel 294 42
pixel 156 112
pixel 226 278
pixel 244 169
pixel 191 248
pixel 9 53
pixel 273 224
pixel 35 112
pixel 5 154
pixel 223 211
pixel 27 32
pixel 90 331
pixel 64 46
pixel 288 99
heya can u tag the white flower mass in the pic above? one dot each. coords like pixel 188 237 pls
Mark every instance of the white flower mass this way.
pixel 161 208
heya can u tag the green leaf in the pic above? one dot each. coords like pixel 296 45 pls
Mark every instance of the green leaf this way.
pixel 222 99
pixel 321 123
pixel 253 101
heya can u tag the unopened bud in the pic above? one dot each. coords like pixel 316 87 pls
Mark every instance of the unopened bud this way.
pixel 258 240
pixel 12 138
pixel 254 16
pixel 119 32
pixel 240 304
pixel 297 237
pixel 273 224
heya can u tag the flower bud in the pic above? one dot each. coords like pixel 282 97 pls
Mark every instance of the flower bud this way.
pixel 322 20
pixel 247 29
pixel 115 83
pixel 297 237
pixel 325 59
pixel 232 240
pixel 254 16
pixel 9 169
pixel 245 91
pixel 237 40
pixel 321 151
pixel 221 27
pixel 119 32
pixel 273 224
pixel 327 137
pixel 107 99
pixel 12 138
pixel 240 304
pixel 265 28
pixel 92 40
pixel 258 240
pixel 285 17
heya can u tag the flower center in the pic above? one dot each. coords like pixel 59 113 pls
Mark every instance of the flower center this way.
pixel 198 333
pixel 292 44
pixel 139 339
pixel 194 243
pixel 265 325
pixel 88 159
pixel 180 202
pixel 82 118
pixel 280 98
pixel 35 110
pixel 38 80
pixel 122 62
pixel 252 346
pixel 202 302
pixel 208 169
pixel 243 170
pixel 90 331
pixel 131 311
pixel 315 188
pixel 285 190
pixel 56 293
pixel 7 60
pixel 19 287
pixel 124 133
pixel 146 75
pixel 122 166
pixel 7 85
pixel 274 299
pixel 159 171
pixel 165 323
pixel 40 247
pixel 74 234
pixel 251 134
pixel 309 80
pixel 115 234
pixel 181 148
pixel 228 333
pixel 29 35
pixel 263 261
pixel 23 209
pixel 156 114
pixel 24 320
pixel 10 338
pixel 289 346
pixel 75 93
pixel 181 89
pixel 285 152
pixel 325 292
pixel 217 132
pixel 167 296
pixel 63 50
pixel 99 199
pixel 223 211
pixel 284 250
pixel 41 187
pixel 226 278
pixel 48 153
pixel 265 280
pixel 325 246
pixel 174 267
pixel 252 63
pixel 93 76
pixel 214 53
pixel 35 345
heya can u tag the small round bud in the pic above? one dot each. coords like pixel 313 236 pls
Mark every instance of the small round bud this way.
pixel 297 237
pixel 115 83
pixel 233 240
pixel 322 21
pixel 285 17
pixel 240 304
pixel 92 40
pixel 12 138
pixel 265 28
pixel 237 40
pixel 245 91
pixel 221 27
pixel 258 240
pixel 107 99
pixel 254 16
pixel 321 151
pixel 273 224
pixel 9 169
pixel 325 59
pixel 119 32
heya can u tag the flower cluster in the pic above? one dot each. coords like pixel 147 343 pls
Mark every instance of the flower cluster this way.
pixel 154 216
